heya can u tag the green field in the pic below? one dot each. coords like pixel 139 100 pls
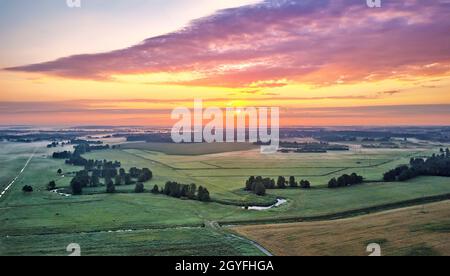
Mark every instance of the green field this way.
pixel 225 174
pixel 188 149
pixel 162 242
pixel 44 222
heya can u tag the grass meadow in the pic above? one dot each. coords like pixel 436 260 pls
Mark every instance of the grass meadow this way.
pixel 43 223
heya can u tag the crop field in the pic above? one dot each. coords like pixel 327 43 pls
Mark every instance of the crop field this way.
pixel 44 223
pixel 422 230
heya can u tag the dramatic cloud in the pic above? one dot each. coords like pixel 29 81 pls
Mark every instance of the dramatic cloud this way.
pixel 277 42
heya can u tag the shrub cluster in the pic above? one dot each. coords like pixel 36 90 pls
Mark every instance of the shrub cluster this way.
pixel 345 181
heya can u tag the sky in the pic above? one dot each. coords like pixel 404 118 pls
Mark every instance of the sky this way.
pixel 130 62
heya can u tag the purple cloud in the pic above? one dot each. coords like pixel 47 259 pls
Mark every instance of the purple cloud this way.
pixel 278 42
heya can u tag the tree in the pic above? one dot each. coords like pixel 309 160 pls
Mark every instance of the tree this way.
pixel 393 175
pixel 51 186
pixel 272 184
pixel 27 189
pixel 118 180
pixel 60 171
pixel 184 190
pixel 333 183
pixel 95 180
pixel 128 179
pixel 345 180
pixel 76 186
pixel 122 172
pixel 203 194
pixel 356 179
pixel 139 188
pixel 155 189
pixel 206 197
pixel 145 175
pixel 292 182
pixel 135 172
pixel 172 189
pixel 83 178
pixel 305 184
pixel 249 184
pixel 192 191
pixel 281 183
pixel 110 187
pixel 260 189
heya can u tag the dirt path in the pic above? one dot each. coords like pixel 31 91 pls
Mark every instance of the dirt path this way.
pixel 216 227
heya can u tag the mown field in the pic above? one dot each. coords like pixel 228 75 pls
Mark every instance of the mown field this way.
pixel 52 220
pixel 421 230
pixel 161 242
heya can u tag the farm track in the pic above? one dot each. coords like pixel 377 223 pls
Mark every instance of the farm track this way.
pixel 264 250
pixel 3 193
pixel 267 175
pixel 217 228
pixel 154 161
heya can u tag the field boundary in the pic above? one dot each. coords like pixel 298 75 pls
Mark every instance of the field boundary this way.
pixel 341 215
pixel 112 230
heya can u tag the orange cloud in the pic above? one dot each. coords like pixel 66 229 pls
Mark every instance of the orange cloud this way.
pixel 279 42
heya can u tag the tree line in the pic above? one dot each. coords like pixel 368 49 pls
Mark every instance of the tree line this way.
pixel 436 165
pixel 94 170
pixel 258 185
pixel 345 181
pixel 75 158
pixel 177 190
pixel 112 178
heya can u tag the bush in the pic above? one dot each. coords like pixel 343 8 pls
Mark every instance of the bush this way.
pixel 155 189
pixel 27 189
pixel 51 186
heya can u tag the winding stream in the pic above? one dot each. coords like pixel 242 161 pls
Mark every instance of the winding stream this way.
pixel 259 208
pixel 59 193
